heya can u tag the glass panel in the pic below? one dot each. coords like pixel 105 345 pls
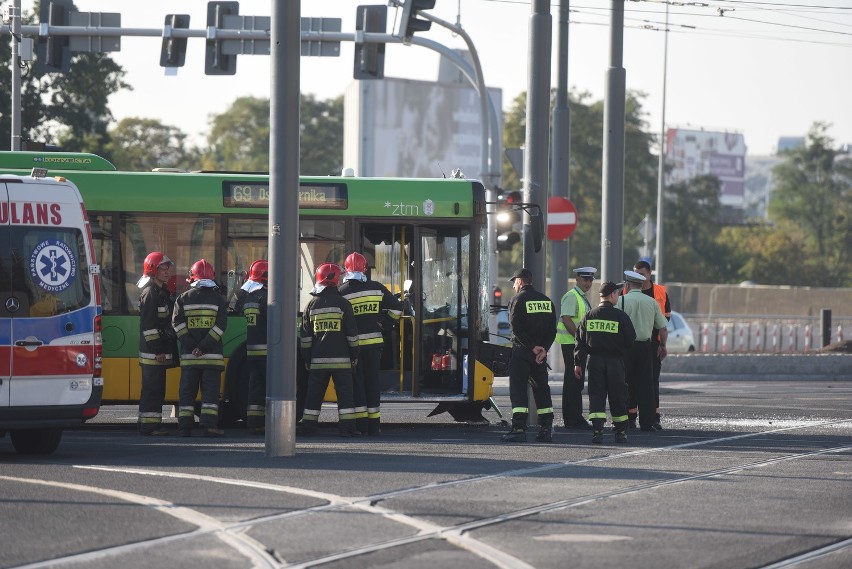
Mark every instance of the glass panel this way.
pixel 104 237
pixel 445 262
pixel 247 240
pixel 322 241
pixel 184 239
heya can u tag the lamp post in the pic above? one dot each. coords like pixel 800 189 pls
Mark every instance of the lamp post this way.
pixel 658 249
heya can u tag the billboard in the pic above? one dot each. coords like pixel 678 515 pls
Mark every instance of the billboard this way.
pixel 691 153
pixel 415 129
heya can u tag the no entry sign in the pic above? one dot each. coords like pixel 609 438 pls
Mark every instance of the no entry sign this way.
pixel 561 218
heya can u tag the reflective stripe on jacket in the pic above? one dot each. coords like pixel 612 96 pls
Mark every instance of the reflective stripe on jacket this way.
pixel 562 334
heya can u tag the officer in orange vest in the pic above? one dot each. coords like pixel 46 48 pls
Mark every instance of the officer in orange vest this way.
pixel 659 294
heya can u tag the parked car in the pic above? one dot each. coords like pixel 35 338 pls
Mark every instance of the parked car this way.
pixel 680 340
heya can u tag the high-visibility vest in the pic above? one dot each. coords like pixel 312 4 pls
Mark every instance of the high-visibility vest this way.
pixel 660 297
pixel 562 334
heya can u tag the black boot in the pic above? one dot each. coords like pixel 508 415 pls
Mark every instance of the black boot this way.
pixel 518 434
pixel 545 434
pixel 597 437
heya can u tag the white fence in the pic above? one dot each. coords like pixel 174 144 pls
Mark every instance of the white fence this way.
pixel 750 334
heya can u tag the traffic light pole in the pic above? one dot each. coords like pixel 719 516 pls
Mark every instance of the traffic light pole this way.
pixel 16 75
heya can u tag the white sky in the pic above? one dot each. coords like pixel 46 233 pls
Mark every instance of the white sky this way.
pixel 765 69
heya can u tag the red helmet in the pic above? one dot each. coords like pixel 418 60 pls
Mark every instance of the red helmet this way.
pixel 259 271
pixel 201 269
pixel 152 261
pixel 355 263
pixel 328 274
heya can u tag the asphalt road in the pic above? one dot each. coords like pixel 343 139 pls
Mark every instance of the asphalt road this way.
pixel 745 474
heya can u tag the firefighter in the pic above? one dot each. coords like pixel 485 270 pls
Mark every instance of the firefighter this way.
pixel 533 320
pixel 250 300
pixel 200 319
pixel 603 337
pixel 156 341
pixel 369 300
pixel 646 316
pixel 329 343
pixel 659 294
pixel 574 305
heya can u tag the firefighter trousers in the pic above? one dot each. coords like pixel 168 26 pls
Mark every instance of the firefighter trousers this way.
pixel 524 371
pixel 606 381
pixel 151 398
pixel 190 379
pixel 256 409
pixel 572 390
pixel 317 384
pixel 368 390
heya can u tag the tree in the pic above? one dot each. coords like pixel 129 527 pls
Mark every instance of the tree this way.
pixel 239 137
pixel 586 173
pixel 70 110
pixel 138 144
pixel 812 195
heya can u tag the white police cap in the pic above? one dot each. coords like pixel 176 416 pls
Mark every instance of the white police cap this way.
pixel 585 272
pixel 633 277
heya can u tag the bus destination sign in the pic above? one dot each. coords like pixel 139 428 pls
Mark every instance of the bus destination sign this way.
pixel 311 196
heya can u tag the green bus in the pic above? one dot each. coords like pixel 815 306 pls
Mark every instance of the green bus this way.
pixel 425 239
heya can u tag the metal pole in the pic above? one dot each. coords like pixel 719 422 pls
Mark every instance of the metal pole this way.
pixel 612 226
pixel 825 327
pixel 560 257
pixel 283 304
pixel 658 246
pixel 538 128
pixel 15 143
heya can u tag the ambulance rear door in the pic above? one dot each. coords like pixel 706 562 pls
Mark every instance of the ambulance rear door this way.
pixel 8 305
pixel 49 303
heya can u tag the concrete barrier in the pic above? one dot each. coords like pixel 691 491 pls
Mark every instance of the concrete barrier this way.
pixel 830 367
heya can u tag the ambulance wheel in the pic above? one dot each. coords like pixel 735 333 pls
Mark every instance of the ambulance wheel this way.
pixel 36 441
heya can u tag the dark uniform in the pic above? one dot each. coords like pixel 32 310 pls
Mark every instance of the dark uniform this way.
pixel 368 299
pixel 200 319
pixel 252 305
pixel 604 336
pixel 329 343
pixel 533 320
pixel 156 336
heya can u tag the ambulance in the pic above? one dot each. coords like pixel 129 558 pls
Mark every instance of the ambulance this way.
pixel 50 312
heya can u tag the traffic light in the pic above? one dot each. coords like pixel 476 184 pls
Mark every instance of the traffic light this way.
pixel 497 296
pixel 173 52
pixel 53 52
pixel 508 219
pixel 410 23
pixel 370 57
pixel 216 62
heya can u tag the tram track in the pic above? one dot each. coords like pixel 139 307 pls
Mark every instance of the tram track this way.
pixel 459 535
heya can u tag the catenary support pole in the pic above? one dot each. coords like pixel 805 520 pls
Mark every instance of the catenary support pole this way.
pixel 661 166
pixel 612 215
pixel 15 143
pixel 283 229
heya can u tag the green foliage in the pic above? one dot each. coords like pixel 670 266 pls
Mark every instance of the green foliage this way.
pixel 762 254
pixel 239 137
pixel 812 196
pixel 138 144
pixel 69 110
pixel 585 174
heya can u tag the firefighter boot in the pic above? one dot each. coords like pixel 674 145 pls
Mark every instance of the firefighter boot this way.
pixel 597 437
pixel 374 426
pixel 620 437
pixel 631 420
pixel 545 432
pixel 518 434
pixel 361 425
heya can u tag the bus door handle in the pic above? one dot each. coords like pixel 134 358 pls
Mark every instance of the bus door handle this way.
pixel 28 343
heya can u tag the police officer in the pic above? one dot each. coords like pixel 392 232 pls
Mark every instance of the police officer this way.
pixel 156 341
pixel 369 299
pixel 533 320
pixel 646 316
pixel 250 300
pixel 329 343
pixel 603 337
pixel 574 305
pixel 200 319
pixel 659 294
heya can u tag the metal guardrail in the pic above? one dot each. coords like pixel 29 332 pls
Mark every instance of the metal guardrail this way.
pixel 763 334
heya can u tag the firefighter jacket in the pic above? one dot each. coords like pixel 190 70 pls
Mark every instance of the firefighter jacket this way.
pixel 329 334
pixel 252 305
pixel 605 331
pixel 156 335
pixel 200 319
pixel 533 319
pixel 368 300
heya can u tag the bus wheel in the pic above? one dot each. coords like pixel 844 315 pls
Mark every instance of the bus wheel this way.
pixel 232 408
pixel 36 441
